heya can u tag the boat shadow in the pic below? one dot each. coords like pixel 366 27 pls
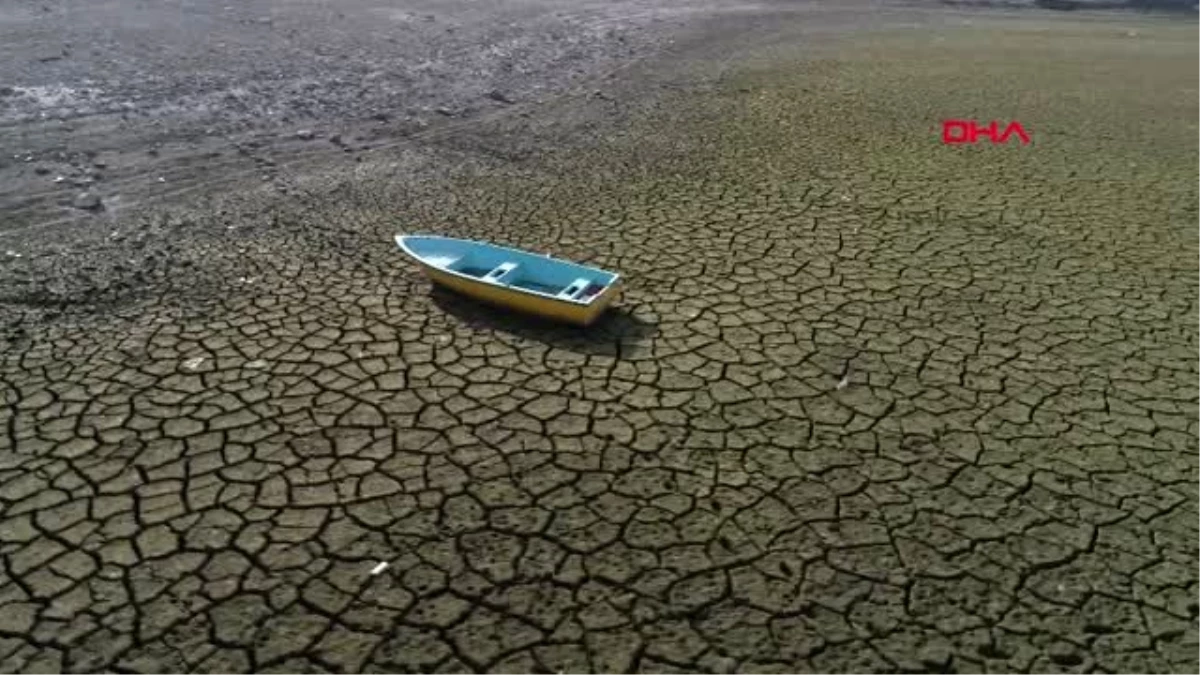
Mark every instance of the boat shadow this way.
pixel 617 333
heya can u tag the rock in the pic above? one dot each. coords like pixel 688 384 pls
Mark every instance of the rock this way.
pixel 444 111
pixel 41 170
pixel 88 201
pixel 497 95
pixel 306 134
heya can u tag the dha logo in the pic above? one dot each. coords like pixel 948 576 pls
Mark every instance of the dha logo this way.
pixel 956 132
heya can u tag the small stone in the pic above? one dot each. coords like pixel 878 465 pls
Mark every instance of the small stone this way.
pixel 444 111
pixel 41 170
pixel 497 95
pixel 193 363
pixel 306 134
pixel 88 201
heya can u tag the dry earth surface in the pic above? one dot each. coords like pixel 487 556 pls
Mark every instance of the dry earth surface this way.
pixel 872 403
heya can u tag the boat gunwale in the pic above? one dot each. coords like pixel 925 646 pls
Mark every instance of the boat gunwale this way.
pixel 608 288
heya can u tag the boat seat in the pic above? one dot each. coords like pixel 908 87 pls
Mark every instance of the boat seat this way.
pixel 502 270
pixel 574 289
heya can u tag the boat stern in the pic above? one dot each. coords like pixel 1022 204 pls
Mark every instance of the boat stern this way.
pixel 601 303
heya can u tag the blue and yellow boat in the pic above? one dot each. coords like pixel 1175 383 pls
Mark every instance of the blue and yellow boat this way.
pixel 519 280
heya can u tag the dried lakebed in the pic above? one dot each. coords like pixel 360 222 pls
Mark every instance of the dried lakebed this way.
pixel 873 403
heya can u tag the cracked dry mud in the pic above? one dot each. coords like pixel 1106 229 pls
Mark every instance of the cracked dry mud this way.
pixel 871 403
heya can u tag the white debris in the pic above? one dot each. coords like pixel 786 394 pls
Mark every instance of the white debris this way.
pixel 54 95
pixel 379 568
pixel 844 382
pixel 12 254
pixel 257 364
pixel 161 179
pixel 193 363
pixel 59 179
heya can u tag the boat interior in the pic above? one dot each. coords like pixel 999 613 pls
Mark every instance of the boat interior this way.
pixel 547 276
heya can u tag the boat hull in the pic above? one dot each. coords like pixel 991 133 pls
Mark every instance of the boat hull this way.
pixel 546 308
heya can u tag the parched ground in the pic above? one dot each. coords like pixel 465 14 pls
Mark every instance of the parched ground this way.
pixel 872 403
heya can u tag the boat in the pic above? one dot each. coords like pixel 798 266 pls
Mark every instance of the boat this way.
pixel 519 280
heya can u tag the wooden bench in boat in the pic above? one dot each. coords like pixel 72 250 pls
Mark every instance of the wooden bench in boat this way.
pixel 573 291
pixel 500 272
